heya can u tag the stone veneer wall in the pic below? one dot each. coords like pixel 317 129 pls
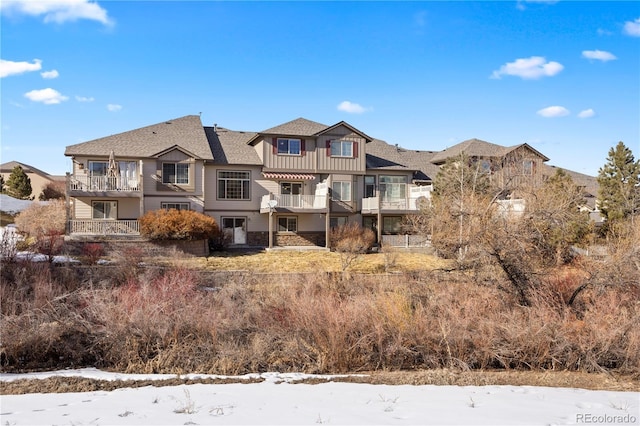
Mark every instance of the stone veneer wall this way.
pixel 300 239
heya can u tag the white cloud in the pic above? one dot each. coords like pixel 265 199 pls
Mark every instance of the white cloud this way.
pixel 600 55
pixel 84 99
pixel 50 74
pixel 587 113
pixel 114 107
pixel 352 108
pixel 632 28
pixel 553 111
pixel 46 96
pixel 8 68
pixel 529 68
pixel 58 11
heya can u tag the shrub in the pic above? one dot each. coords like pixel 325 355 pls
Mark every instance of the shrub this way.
pixel 93 252
pixel 39 220
pixel 351 240
pixel 178 225
pixel 53 191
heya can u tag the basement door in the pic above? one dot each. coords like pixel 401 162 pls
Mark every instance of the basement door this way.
pixel 236 229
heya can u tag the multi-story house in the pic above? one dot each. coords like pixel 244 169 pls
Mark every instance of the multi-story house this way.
pixel 284 186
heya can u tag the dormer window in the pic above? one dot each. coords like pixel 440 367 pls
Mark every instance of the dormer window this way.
pixel 342 149
pixel 289 146
pixel 175 173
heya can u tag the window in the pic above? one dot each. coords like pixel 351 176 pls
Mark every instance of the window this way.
pixel 485 166
pixel 289 146
pixel 369 186
pixel 341 191
pixel 527 167
pixel 287 224
pixel 234 185
pixel 98 168
pixel 104 209
pixel 336 221
pixel 176 173
pixel 341 148
pixel 391 225
pixel 393 187
pixel 176 206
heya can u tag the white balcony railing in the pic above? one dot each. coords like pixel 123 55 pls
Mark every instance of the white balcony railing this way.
pixel 104 227
pixel 290 201
pixel 103 183
pixel 415 201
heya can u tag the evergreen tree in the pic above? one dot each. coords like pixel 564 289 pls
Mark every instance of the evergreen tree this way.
pixel 19 184
pixel 619 181
pixel 1 184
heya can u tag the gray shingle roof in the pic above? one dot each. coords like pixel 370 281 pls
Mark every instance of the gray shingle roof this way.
pixel 9 166
pixel 297 127
pixel 186 132
pixel 230 147
pixel 473 148
pixel 383 156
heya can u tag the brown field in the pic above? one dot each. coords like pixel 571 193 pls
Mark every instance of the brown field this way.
pixel 398 317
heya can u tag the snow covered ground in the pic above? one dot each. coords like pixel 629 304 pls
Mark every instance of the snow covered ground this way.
pixel 277 400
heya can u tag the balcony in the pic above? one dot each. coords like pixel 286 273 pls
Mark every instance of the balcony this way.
pixel 83 185
pixel 106 227
pixel 419 197
pixel 293 203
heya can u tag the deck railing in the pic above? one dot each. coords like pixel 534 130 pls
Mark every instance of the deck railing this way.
pixel 291 201
pixel 103 183
pixel 104 227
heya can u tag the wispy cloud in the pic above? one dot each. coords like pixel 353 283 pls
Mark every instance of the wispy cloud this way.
pixel 632 28
pixel 57 11
pixel 46 96
pixel 352 108
pixel 553 111
pixel 8 68
pixel 520 5
pixel 587 113
pixel 599 55
pixel 603 32
pixel 50 74
pixel 529 68
pixel 84 99
pixel 114 107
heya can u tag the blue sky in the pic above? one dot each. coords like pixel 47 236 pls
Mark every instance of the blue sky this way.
pixel 561 76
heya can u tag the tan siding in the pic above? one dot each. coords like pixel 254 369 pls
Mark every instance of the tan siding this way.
pixel 300 163
pixel 327 163
pixel 82 209
pixel 155 203
pixel 211 189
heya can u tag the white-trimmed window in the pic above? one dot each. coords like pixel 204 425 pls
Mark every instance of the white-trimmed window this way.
pixel 176 206
pixel 98 168
pixel 175 173
pixel 342 149
pixel 234 185
pixel 289 146
pixel 104 209
pixel 393 187
pixel 341 191
pixel 287 224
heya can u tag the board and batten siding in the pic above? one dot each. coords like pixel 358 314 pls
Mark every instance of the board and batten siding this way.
pixel 303 163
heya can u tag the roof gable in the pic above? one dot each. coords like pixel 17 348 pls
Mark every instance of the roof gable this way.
pixel 343 124
pixel 185 132
pixel 472 148
pixel 297 127
pixel 9 166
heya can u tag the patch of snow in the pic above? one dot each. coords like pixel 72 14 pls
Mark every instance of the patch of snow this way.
pixel 276 401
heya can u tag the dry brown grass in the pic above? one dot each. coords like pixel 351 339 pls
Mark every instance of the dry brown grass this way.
pixel 309 261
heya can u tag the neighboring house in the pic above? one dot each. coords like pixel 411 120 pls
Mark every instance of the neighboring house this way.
pixel 509 167
pixel 39 179
pixel 283 186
